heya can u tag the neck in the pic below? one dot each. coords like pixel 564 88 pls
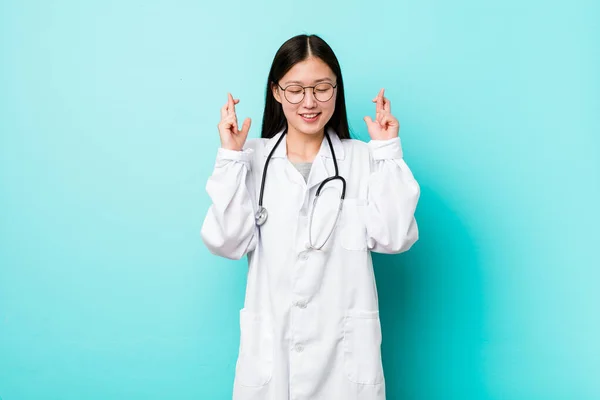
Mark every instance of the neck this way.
pixel 302 147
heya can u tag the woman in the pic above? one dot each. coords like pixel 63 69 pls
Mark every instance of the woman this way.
pixel 310 325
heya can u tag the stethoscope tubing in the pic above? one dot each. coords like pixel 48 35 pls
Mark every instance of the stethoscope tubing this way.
pixel 261 214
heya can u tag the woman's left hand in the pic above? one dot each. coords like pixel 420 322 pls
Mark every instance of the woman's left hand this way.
pixel 385 126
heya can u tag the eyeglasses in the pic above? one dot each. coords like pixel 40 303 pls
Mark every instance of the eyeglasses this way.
pixel 295 93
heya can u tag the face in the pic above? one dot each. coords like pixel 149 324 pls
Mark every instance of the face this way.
pixel 310 115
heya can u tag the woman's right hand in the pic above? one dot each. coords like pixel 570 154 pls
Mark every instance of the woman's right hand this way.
pixel 231 137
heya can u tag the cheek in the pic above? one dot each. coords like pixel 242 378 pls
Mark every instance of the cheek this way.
pixel 289 110
pixel 331 105
pixel 330 109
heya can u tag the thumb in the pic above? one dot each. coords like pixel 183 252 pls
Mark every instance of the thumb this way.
pixel 368 121
pixel 246 126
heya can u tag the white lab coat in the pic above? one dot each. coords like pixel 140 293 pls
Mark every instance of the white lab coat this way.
pixel 310 326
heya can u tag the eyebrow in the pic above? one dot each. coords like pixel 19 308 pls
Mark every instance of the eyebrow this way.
pixel 316 81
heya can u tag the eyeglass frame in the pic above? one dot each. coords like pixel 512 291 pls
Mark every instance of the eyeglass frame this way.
pixel 308 87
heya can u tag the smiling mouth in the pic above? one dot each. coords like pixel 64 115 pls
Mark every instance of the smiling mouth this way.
pixel 310 116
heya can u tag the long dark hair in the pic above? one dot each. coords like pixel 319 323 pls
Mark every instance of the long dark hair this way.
pixel 293 51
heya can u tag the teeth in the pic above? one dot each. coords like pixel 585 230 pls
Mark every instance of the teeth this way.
pixel 309 115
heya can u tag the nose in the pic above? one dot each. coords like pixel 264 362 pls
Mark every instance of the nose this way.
pixel 309 100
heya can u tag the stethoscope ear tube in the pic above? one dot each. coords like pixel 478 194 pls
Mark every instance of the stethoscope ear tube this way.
pixel 310 224
pixel 331 178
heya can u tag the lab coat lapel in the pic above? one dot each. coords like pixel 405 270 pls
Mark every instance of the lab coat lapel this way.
pixel 323 166
pixel 320 169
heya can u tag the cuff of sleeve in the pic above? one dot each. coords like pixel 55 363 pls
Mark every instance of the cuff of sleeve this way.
pixel 390 149
pixel 243 156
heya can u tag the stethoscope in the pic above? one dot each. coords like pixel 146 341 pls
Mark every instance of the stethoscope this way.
pixel 262 215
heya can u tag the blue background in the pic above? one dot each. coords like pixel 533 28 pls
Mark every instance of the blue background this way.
pixel 108 114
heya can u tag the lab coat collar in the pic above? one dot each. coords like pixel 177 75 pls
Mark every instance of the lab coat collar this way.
pixel 325 151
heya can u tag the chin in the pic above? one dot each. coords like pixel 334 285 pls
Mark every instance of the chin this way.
pixel 311 130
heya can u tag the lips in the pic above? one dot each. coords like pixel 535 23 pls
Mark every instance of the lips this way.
pixel 310 117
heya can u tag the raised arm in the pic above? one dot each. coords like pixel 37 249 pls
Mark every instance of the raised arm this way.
pixel 229 229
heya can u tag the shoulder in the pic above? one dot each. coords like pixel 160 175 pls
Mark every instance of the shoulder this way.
pixel 256 147
pixel 354 144
pixel 256 144
pixel 355 148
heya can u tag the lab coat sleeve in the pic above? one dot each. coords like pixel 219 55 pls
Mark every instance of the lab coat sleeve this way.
pixel 392 198
pixel 229 228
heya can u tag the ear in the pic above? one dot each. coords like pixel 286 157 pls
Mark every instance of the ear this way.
pixel 276 92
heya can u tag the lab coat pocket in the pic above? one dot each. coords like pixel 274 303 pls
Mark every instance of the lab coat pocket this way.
pixel 353 231
pixel 255 360
pixel 362 347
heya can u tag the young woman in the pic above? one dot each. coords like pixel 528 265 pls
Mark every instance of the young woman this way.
pixel 310 325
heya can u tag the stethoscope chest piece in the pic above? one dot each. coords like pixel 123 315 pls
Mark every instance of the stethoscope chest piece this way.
pixel 261 216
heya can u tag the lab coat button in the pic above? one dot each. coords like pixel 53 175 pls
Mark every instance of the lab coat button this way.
pixel 301 304
pixel 299 348
pixel 304 256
